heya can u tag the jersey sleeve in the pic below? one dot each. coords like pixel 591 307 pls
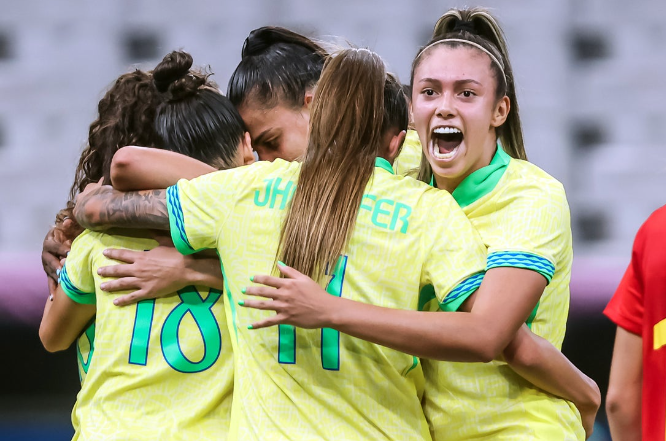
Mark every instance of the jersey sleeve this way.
pixel 626 307
pixel 198 208
pixel 454 265
pixel 535 229
pixel 76 276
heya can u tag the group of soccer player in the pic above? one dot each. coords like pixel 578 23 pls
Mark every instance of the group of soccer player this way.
pixel 412 276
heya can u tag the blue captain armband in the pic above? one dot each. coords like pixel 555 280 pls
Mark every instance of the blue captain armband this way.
pixel 460 293
pixel 177 221
pixel 518 259
pixel 77 295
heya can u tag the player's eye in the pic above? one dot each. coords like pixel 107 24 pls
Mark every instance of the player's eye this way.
pixel 467 93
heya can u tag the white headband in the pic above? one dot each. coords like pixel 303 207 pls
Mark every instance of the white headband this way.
pixel 471 43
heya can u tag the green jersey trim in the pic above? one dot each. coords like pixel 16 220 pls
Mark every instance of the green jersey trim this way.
pixel 426 294
pixel 90 335
pixel 415 362
pixel 177 221
pixel 384 164
pixel 532 316
pixel 523 260
pixel 482 181
pixel 460 293
pixel 77 295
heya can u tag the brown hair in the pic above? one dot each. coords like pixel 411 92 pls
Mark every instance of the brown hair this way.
pixel 478 26
pixel 126 116
pixel 346 128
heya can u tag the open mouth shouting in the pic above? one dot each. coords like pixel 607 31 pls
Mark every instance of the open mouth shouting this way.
pixel 445 141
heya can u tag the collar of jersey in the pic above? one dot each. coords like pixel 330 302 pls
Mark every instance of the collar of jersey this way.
pixel 383 163
pixel 481 182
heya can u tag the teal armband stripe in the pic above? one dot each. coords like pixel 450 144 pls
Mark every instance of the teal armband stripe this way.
pixel 517 259
pixel 86 298
pixel 177 222
pixel 460 293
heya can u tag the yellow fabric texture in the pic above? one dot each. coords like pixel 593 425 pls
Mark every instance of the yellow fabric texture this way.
pixel 407 235
pixel 526 214
pixel 126 396
pixel 409 160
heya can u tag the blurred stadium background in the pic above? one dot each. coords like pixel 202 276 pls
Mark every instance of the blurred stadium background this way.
pixel 590 83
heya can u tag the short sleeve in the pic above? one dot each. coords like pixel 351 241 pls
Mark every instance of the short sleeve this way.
pixel 455 262
pixel 626 307
pixel 76 276
pixel 535 229
pixel 198 208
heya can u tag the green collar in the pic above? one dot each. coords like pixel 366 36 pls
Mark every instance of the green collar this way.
pixel 383 163
pixel 482 181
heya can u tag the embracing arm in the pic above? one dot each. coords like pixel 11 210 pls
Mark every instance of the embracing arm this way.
pixel 480 335
pixel 536 360
pixel 142 168
pixel 159 272
pixel 63 321
pixel 542 364
pixel 623 402
pixel 102 207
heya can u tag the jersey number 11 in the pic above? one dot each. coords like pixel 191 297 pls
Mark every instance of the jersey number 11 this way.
pixel 330 338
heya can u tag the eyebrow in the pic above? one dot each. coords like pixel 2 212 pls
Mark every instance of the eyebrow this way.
pixel 262 136
pixel 455 83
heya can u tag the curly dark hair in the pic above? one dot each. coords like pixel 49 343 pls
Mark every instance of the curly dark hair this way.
pixel 126 116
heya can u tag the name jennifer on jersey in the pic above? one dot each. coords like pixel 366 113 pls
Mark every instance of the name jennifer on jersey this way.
pixel 386 213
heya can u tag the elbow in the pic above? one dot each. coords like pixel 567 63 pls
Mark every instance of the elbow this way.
pixel 87 216
pixel 594 395
pixel 121 167
pixel 486 355
pixel 615 403
pixel 482 351
pixel 50 342
pixel 489 345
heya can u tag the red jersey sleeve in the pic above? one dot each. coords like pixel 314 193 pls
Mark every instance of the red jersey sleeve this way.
pixel 625 309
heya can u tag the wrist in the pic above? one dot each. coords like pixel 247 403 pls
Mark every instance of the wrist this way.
pixel 203 271
pixel 332 315
pixel 192 275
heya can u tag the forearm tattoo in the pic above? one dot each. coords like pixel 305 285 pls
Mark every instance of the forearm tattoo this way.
pixel 135 209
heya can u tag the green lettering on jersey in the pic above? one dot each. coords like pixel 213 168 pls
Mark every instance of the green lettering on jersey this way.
pixel 330 338
pixel 378 211
pixel 191 303
pixel 201 312
pixel 272 192
pixel 387 213
pixel 261 203
pixel 286 193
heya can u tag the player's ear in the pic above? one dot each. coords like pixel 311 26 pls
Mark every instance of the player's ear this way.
pixel 246 149
pixel 501 112
pixel 395 145
pixel 307 100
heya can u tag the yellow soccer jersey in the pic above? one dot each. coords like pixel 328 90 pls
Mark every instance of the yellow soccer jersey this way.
pixel 522 215
pixel 409 160
pixel 300 384
pixel 160 369
pixel 85 348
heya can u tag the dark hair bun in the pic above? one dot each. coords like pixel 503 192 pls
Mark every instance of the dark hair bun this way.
pixel 173 76
pixel 263 38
